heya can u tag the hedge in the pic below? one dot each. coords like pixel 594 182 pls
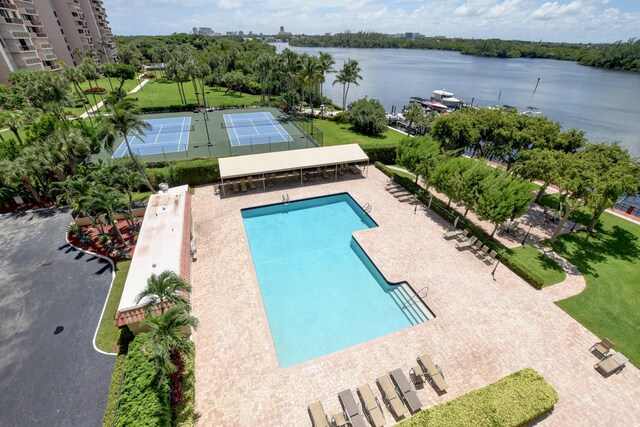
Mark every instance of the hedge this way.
pixel 142 402
pixel 517 399
pixel 117 377
pixel 381 153
pixel 168 108
pixel 507 257
pixel 191 172
pixel 185 413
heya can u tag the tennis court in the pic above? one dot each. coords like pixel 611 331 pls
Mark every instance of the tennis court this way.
pixel 254 128
pixel 167 135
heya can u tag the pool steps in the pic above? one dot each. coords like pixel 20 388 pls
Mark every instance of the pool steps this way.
pixel 411 305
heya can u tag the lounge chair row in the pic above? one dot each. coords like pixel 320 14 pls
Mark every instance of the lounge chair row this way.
pixel 399 192
pixel 471 243
pixel 398 394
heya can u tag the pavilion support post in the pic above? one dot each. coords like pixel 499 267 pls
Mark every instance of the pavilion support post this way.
pixel 336 172
pixel 224 193
pixel 301 177
pixel 264 182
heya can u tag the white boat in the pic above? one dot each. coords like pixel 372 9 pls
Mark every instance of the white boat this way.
pixel 532 112
pixel 429 104
pixel 446 98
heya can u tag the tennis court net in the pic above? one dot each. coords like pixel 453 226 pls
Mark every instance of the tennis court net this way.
pixel 249 123
pixel 168 128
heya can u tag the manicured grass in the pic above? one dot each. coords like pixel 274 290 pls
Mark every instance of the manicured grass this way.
pixel 161 93
pixel 103 83
pixel 514 400
pixel 536 265
pixel 341 133
pixel 108 334
pixel 609 259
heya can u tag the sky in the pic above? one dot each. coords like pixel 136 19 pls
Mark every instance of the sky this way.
pixel 561 20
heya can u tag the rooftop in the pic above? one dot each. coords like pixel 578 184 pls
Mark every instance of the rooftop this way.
pixel 159 243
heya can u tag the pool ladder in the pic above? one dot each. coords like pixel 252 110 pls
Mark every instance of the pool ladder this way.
pixel 285 199
pixel 367 207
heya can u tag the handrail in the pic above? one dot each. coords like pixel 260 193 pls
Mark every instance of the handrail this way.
pixel 285 199
pixel 417 294
pixel 367 207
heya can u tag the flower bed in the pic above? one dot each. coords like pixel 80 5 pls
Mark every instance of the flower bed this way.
pixel 88 238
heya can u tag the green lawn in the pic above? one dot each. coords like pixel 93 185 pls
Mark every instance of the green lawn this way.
pixel 103 83
pixel 340 133
pixel 108 334
pixel 160 93
pixel 536 265
pixel 609 259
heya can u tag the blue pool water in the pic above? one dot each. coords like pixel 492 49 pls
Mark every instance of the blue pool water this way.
pixel 320 290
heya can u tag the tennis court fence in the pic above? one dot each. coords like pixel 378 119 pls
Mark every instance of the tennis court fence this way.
pixel 306 126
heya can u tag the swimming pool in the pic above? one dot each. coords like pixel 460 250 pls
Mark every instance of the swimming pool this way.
pixel 320 290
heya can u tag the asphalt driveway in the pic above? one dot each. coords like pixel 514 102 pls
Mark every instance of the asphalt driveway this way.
pixel 51 298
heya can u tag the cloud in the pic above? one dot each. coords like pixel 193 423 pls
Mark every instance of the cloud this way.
pixel 554 20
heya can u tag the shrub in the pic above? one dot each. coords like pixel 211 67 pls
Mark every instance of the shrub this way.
pixel 195 172
pixel 95 90
pixel 143 401
pixel 512 401
pixel 185 412
pixel 381 153
pixel 367 116
pixel 114 390
pixel 168 108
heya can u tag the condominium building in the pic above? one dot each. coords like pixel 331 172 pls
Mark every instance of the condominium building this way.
pixel 36 34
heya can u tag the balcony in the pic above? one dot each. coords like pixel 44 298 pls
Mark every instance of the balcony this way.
pixel 19 35
pixel 11 20
pixel 35 23
pixel 50 57
pixel 29 11
pixel 7 5
pixel 46 46
pixel 41 35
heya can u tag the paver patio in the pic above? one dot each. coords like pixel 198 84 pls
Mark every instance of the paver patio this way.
pixel 485 329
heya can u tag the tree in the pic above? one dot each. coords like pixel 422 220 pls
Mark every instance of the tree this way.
pixel 122 118
pixel 265 65
pixel 290 65
pixel 574 181
pixel 166 337
pixel 110 203
pixel 414 113
pixel 40 88
pixel 348 75
pixel 167 287
pixel 89 69
pixel 614 173
pixel 20 171
pixel 121 72
pixel 326 65
pixel 419 155
pixel 235 81
pixel 538 165
pixel 14 120
pixel 310 75
pixel 75 76
pixel 455 131
pixel 367 116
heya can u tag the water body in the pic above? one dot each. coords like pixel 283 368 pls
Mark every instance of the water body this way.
pixel 603 103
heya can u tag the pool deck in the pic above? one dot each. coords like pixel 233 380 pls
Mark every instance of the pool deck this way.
pixel 485 329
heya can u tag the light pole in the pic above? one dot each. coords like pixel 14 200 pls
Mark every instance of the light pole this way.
pixel 526 235
pixel 493 273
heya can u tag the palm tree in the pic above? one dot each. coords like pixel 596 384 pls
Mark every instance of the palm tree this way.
pixel 110 203
pixel 265 65
pixel 75 76
pixel 21 170
pixel 13 119
pixel 326 63
pixel 121 119
pixel 165 287
pixel 167 335
pixel 291 65
pixel 90 72
pixel 128 182
pixel 310 74
pixel 348 75
pixel 413 113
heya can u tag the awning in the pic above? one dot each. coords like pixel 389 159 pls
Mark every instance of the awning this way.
pixel 254 164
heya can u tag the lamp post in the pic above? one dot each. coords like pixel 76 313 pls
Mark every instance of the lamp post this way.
pixel 493 273
pixel 526 235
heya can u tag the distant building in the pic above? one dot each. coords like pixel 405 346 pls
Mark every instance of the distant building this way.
pixel 282 32
pixel 203 31
pixel 35 35
pixel 232 33
pixel 327 34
